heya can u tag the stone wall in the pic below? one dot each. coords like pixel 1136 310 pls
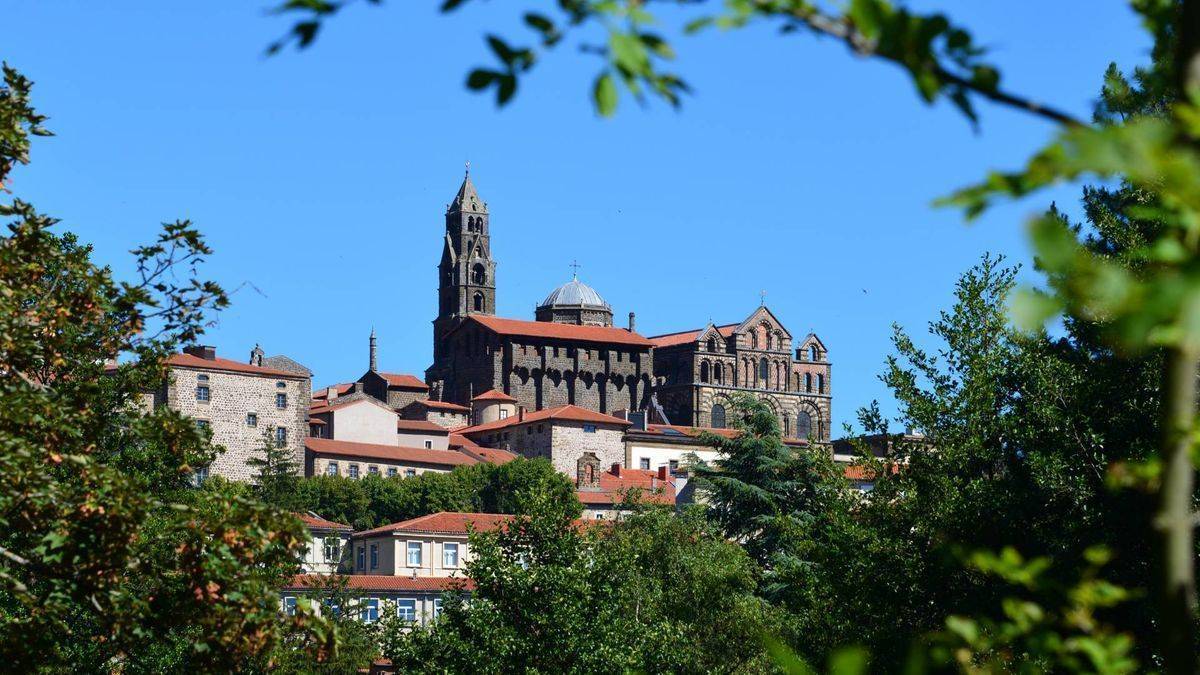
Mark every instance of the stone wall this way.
pixel 232 396
pixel 569 441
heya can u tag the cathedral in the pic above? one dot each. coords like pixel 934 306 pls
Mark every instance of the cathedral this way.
pixel 571 353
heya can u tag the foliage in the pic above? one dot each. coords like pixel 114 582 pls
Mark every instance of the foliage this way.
pixel 277 473
pixel 478 488
pixel 654 592
pixel 110 560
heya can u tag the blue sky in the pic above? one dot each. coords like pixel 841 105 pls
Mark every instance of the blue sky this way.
pixel 320 177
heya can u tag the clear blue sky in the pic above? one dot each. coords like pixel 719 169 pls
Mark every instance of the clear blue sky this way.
pixel 320 177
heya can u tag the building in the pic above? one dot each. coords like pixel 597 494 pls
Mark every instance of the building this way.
pixel 572 438
pixel 329 457
pixel 244 404
pixel 696 371
pixel 572 354
pixel 329 549
pixel 606 495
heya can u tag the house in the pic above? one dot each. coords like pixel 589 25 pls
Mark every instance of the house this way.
pixel 329 547
pixel 415 599
pixel 243 404
pixel 442 413
pixel 569 436
pixel 429 546
pixel 353 417
pixel 604 498
pixel 325 456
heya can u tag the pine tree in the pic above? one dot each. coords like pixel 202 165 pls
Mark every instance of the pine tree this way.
pixel 278 473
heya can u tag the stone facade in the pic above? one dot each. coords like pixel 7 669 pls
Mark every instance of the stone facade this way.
pixel 696 373
pixel 240 406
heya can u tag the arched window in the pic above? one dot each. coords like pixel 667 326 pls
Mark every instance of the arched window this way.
pixel 787 427
pixel 718 416
pixel 704 371
pixel 764 371
pixel 768 339
pixel 754 340
pixel 477 274
pixel 820 384
pixel 718 373
pixel 712 344
pixel 812 352
pixel 779 382
pixel 808 382
pixel 479 302
pixel 803 425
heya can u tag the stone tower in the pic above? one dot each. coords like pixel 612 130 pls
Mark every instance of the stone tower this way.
pixel 467 273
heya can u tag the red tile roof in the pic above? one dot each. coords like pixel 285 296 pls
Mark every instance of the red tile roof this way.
pixel 489 455
pixel 444 522
pixel 322 406
pixel 694 432
pixel 570 413
pixel 318 522
pixel 561 331
pixel 444 405
pixel 316 421
pixel 860 472
pixel 404 380
pixel 420 425
pixel 218 363
pixel 494 395
pixel 382 582
pixel 613 487
pixel 394 453
pixel 672 339
pixel 340 388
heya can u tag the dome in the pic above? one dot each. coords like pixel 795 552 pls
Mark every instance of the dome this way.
pixel 575 293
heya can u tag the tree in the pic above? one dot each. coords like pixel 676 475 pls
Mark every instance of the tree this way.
pixel 109 559
pixel 552 595
pixel 276 473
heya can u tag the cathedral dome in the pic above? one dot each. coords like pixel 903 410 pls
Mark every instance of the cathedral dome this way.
pixel 575 302
pixel 574 293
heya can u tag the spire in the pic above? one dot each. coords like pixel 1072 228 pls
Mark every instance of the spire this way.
pixel 374 365
pixel 467 198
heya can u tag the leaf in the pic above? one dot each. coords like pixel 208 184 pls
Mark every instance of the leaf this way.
pixel 481 79
pixel 604 94
pixel 849 661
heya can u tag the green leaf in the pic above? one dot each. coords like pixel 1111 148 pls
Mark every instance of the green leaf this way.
pixel 481 79
pixel 604 94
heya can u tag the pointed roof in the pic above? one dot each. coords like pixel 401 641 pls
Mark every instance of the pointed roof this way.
pixel 467 198
pixel 494 395
pixel 757 314
pixel 672 339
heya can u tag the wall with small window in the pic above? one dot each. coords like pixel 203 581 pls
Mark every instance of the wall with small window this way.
pixel 322 465
pixel 328 552
pixel 408 554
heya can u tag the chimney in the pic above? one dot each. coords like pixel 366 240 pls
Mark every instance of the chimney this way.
pixel 639 420
pixel 206 352
pixel 256 355
pixel 373 361
pixel 632 322
pixel 331 393
pixel 358 387
pixel 662 472
pixel 520 413
pixel 616 469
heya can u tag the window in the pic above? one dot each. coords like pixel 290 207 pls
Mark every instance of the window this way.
pixel 202 393
pixel 820 384
pixel 331 469
pixel 599 516
pixel 199 476
pixel 316 431
pixel 718 416
pixel 539 428
pixel 406 609
pixel 674 464
pixel 289 606
pixel 803 425
pixel 808 382
pixel 449 555
pixel 354 471
pixel 251 419
pixel 589 428
pixel 644 463
pixel 392 471
pixel 362 558
pixel 478 302
pixel 280 437
pixel 414 554
pixel 503 414
pixel 374 556
pixel 712 344
pixel 437 607
pixel 477 274
pixel 202 425
pixel 704 371
pixel 370 610
pixel 764 371
pixel 409 473
pixel 372 470
pixel 332 607
pixel 333 549
pixel 281 385
pixel 281 400
pixel 529 430
pixel 754 340
pixel 428 445
pixel 718 373
pixel 768 340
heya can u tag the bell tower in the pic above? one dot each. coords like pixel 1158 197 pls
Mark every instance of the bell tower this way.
pixel 466 273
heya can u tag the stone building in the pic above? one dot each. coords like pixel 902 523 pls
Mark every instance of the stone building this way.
pixel 243 404
pixel 696 371
pixel 573 355
pixel 571 437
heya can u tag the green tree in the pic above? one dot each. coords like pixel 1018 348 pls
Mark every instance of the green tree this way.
pixel 109 559
pixel 276 473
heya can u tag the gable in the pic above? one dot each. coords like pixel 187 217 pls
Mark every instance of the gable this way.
pixel 763 315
